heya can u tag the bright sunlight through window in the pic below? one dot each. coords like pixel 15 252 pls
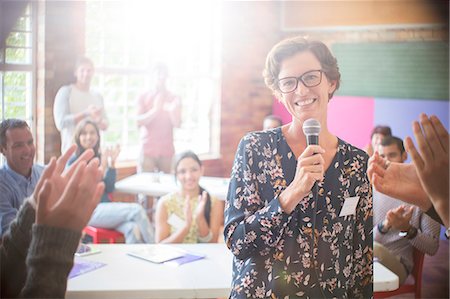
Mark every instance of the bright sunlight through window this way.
pixel 126 38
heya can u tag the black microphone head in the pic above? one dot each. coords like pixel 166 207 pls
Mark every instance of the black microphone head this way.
pixel 311 129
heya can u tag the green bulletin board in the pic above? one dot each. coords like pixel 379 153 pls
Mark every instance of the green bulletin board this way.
pixel 412 70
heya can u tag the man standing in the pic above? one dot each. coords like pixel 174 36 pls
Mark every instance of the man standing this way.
pixel 19 175
pixel 158 113
pixel 400 228
pixel 78 101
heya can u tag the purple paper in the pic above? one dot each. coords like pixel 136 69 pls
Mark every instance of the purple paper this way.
pixel 187 258
pixel 81 266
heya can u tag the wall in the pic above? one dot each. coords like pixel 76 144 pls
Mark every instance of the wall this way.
pixel 250 29
pixel 59 43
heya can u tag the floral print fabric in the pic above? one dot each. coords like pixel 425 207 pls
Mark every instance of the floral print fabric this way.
pixel 272 249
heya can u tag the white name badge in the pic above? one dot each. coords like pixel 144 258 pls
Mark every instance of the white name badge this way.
pixel 176 221
pixel 349 207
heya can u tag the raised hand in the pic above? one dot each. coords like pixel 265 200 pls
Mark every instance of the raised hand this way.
pixel 432 162
pixel 72 208
pixel 55 172
pixel 398 180
pixel 200 210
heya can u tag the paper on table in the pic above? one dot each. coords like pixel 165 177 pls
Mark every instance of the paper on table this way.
pixel 187 258
pixel 82 266
pixel 158 253
pixel 166 254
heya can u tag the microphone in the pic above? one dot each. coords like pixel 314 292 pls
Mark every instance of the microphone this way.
pixel 311 129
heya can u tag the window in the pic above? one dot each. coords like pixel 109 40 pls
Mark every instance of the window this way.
pixel 17 70
pixel 126 39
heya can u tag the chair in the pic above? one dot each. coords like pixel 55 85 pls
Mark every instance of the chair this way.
pixel 98 234
pixel 415 288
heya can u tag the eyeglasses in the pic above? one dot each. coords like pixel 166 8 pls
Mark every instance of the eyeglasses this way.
pixel 309 79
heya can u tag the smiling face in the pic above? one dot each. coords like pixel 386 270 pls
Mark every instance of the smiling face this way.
pixel 19 150
pixel 188 174
pixel 306 102
pixel 88 137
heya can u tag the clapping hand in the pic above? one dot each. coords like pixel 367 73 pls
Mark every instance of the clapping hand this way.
pixel 67 199
pixel 399 218
pixel 109 156
pixel 200 210
pixel 398 180
pixel 432 162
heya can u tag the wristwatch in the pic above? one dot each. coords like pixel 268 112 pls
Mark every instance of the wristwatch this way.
pixel 382 229
pixel 409 234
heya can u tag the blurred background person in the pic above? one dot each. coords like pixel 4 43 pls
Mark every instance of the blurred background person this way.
pixel 271 122
pixel 158 114
pixel 128 218
pixel 76 102
pixel 378 133
pixel 399 228
pixel 19 175
pixel 191 214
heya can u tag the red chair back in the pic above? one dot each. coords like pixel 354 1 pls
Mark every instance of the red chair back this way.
pixel 98 234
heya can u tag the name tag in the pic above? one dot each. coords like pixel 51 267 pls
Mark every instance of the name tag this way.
pixel 176 221
pixel 349 207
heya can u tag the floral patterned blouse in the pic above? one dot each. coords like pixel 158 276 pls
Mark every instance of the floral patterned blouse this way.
pixel 272 249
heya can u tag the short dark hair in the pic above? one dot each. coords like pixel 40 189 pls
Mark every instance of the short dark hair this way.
pixel 389 140
pixel 291 46
pixel 8 124
pixel 383 130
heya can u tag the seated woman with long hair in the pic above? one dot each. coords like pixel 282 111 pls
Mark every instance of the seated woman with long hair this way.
pixel 191 214
pixel 128 218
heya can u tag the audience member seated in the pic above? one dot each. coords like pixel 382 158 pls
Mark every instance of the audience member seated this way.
pixel 398 227
pixel 76 102
pixel 191 214
pixel 128 218
pixel 37 252
pixel 271 122
pixel 425 181
pixel 19 175
pixel 378 133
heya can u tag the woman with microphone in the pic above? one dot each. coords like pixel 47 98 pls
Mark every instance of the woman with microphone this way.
pixel 298 217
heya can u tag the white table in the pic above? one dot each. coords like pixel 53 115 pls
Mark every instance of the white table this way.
pixel 384 279
pixel 125 276
pixel 159 184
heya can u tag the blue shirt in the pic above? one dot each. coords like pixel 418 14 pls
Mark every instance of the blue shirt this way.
pixel 272 250
pixel 14 188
